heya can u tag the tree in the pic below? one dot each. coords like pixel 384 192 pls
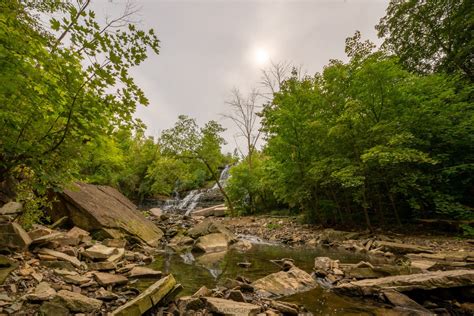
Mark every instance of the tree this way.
pixel 431 35
pixel 244 116
pixel 186 140
pixel 64 85
pixel 369 141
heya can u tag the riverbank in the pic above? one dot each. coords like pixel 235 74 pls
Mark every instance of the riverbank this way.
pixel 289 231
pixel 179 264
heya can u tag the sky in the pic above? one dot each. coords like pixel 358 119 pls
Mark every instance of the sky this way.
pixel 209 47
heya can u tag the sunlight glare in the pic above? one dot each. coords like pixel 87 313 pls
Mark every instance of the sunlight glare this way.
pixel 261 56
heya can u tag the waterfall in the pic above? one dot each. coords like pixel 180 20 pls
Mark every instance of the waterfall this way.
pixel 225 174
pixel 194 197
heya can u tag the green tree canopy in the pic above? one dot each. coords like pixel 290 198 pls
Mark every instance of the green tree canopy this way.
pixel 63 85
pixel 431 35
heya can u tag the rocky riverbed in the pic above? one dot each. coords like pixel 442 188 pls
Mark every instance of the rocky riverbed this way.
pixel 193 265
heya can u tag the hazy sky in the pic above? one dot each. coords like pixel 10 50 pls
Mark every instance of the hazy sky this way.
pixel 208 47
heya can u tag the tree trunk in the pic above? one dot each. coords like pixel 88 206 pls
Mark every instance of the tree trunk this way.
pixel 366 213
pixel 216 179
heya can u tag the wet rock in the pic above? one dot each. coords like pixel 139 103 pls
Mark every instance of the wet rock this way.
pixel 142 272
pixel 147 299
pixel 215 242
pixel 104 209
pixel 208 227
pixel 210 260
pixel 285 308
pixel 60 256
pixel 13 237
pixel 106 279
pixel 421 281
pixel 53 309
pixel 42 292
pixel 241 245
pixel 180 243
pixel 76 302
pixel 228 307
pixel 400 300
pixel 325 263
pixel 11 208
pixel 401 248
pixel 284 283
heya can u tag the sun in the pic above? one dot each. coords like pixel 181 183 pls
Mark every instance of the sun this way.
pixel 261 56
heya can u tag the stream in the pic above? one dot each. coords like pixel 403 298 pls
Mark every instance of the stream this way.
pixel 194 271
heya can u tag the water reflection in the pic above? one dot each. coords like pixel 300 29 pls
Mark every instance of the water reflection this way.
pixel 194 271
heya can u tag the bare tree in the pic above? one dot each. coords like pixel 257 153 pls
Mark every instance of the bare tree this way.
pixel 244 115
pixel 274 76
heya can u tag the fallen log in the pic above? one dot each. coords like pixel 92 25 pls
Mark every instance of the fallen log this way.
pixel 216 210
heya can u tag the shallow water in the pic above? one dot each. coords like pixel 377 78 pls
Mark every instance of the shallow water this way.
pixel 194 271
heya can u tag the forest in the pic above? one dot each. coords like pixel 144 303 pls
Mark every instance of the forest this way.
pixel 383 138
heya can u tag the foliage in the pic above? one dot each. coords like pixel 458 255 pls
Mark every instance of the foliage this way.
pixel 431 35
pixel 63 86
pixel 34 203
pixel 369 139
pixel 246 182
pixel 202 145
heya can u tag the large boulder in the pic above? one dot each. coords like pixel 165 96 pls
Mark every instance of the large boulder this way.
pixel 284 283
pixel 103 209
pixel 401 283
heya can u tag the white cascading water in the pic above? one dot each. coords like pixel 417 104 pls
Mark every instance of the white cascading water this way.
pixel 225 174
pixel 191 200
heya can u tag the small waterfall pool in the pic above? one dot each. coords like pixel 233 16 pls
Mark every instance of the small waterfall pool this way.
pixel 194 271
